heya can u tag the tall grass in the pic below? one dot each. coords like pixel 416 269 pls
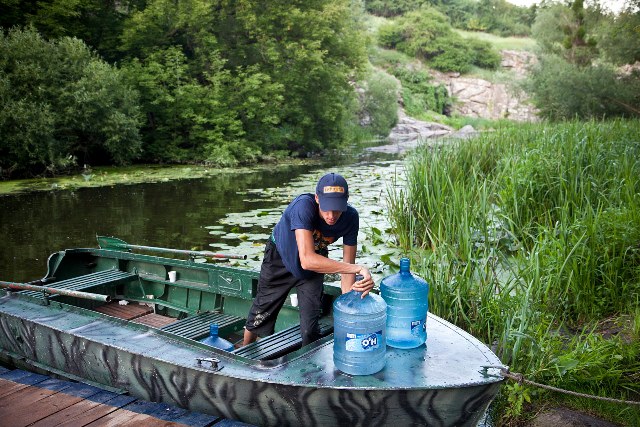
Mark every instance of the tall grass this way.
pixel 530 238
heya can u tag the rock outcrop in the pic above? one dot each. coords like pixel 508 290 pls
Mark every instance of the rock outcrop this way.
pixel 476 97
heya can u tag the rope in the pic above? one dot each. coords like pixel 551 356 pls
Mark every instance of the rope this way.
pixel 519 378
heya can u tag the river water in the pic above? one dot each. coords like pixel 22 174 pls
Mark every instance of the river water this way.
pixel 231 213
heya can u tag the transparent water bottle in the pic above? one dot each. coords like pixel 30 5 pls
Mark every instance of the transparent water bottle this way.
pixel 215 341
pixel 407 298
pixel 359 343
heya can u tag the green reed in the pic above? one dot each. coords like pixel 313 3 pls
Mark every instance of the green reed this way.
pixel 530 237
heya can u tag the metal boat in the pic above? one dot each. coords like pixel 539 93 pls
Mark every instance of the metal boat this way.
pixel 115 317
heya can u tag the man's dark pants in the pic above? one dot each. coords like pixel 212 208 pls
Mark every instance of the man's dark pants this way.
pixel 274 285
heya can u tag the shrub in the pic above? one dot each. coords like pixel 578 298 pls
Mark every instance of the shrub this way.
pixel 60 102
pixel 485 56
pixel 380 102
pixel 449 54
pixel 562 91
pixel 419 94
pixel 389 35
pixel 428 35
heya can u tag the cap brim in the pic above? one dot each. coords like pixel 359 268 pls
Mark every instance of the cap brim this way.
pixel 333 204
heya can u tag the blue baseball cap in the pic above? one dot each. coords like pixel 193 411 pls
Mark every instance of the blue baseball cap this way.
pixel 333 192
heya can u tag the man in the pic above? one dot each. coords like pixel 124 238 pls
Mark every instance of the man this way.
pixel 296 255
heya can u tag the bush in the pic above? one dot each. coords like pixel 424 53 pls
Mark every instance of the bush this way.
pixel 380 102
pixel 393 7
pixel 428 35
pixel 563 91
pixel 485 56
pixel 60 103
pixel 390 35
pixel 449 54
pixel 419 94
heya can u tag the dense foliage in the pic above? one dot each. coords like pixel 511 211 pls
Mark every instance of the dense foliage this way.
pixel 246 80
pixel 225 83
pixel 62 105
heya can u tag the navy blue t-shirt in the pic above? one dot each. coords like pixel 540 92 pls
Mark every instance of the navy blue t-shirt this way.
pixel 302 213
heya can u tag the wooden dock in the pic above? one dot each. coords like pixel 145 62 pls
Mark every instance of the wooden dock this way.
pixel 29 399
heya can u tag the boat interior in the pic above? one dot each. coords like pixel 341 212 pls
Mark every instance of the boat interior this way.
pixel 175 296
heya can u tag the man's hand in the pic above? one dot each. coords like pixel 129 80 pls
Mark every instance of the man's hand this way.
pixel 365 284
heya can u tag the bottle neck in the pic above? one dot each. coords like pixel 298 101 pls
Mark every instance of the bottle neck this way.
pixel 405 265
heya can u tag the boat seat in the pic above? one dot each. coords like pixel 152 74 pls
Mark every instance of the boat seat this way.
pixel 197 327
pixel 81 283
pixel 278 344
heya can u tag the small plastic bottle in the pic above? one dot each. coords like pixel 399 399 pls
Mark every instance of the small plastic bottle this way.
pixel 215 341
pixel 407 298
pixel 359 344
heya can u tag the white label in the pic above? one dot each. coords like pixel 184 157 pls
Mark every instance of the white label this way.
pixel 363 342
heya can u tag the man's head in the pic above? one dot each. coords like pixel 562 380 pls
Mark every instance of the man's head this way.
pixel 332 193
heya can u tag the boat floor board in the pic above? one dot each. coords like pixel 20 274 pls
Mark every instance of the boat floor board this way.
pixel 126 312
pixel 37 400
pixel 278 344
pixel 154 320
pixel 195 327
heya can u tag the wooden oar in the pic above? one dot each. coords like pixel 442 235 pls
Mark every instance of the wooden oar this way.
pixel 114 243
pixel 54 291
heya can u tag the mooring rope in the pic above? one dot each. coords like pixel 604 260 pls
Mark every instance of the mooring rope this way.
pixel 519 378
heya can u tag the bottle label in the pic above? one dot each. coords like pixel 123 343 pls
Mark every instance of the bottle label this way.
pixel 417 327
pixel 363 342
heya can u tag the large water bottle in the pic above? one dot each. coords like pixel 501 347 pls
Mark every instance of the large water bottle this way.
pixel 359 343
pixel 407 298
pixel 215 341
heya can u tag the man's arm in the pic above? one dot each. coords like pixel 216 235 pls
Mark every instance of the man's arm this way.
pixel 348 256
pixel 310 260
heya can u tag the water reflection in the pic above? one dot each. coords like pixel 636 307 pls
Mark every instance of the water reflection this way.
pixel 232 212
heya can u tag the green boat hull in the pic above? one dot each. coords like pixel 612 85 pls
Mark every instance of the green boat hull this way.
pixel 444 383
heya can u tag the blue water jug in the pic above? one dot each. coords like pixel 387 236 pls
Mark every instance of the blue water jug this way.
pixel 407 298
pixel 215 341
pixel 359 343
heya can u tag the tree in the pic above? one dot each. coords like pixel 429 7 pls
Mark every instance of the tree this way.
pixel 579 48
pixel 276 74
pixel 380 102
pixel 563 30
pixel 562 90
pixel 60 103
pixel 619 37
pixel 97 22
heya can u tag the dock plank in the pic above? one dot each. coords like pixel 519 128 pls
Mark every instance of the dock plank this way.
pixel 29 399
pixel 83 412
pixel 9 387
pixel 91 411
